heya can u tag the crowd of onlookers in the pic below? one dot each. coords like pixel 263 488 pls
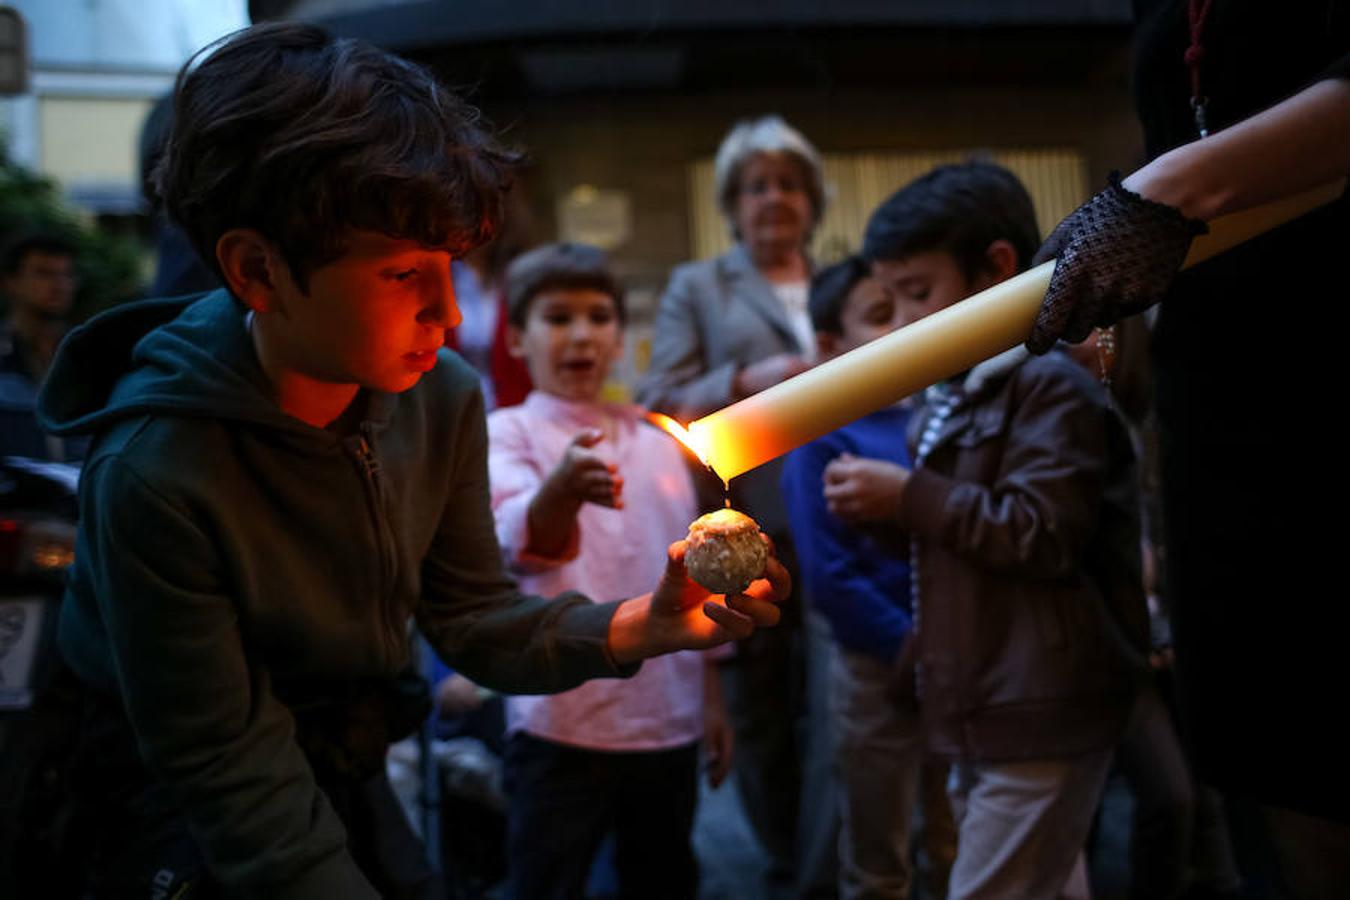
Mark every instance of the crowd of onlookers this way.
pixel 849 722
pixel 856 736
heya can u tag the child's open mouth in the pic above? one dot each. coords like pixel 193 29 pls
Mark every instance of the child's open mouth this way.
pixel 424 361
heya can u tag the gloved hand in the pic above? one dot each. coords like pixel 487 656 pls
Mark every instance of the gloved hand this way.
pixel 1117 255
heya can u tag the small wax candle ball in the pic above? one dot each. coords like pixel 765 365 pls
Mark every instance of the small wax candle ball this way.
pixel 725 552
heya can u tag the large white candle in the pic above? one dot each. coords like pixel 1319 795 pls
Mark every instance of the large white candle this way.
pixel 755 430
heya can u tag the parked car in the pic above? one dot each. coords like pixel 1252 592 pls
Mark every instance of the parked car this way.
pixel 39 708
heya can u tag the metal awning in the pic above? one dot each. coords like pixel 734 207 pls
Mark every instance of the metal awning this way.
pixel 506 48
pixel 439 23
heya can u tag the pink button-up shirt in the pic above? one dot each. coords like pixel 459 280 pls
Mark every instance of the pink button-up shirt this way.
pixel 614 554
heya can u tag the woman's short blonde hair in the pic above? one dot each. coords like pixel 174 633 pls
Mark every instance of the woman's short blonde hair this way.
pixel 768 134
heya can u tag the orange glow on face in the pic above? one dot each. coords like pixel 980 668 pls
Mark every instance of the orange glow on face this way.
pixel 681 434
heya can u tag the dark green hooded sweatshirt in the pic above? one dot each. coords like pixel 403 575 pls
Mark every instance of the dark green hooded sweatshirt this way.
pixel 236 566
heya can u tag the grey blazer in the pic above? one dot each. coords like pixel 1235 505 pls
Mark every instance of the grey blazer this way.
pixel 716 317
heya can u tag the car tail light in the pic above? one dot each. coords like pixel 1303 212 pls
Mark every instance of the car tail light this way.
pixel 36 546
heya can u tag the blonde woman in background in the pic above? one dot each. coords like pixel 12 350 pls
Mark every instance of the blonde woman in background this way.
pixel 727 328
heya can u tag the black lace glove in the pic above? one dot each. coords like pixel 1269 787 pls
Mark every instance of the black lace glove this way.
pixel 1117 254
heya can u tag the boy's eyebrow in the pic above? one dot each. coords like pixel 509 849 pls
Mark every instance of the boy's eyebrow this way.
pixel 392 249
pixel 907 280
pixel 608 306
pixel 397 262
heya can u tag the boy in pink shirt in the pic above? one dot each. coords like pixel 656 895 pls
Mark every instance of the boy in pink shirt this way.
pixel 583 491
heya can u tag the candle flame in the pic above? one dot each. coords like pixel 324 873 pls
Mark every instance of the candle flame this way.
pixel 681 434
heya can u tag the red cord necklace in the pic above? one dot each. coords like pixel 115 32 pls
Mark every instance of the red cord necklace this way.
pixel 1197 11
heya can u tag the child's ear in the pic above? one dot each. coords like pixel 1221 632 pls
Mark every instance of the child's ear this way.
pixel 253 268
pixel 1000 261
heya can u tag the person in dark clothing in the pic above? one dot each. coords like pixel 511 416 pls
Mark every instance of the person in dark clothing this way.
pixel 1241 103
pixel 287 472
pixel 1179 844
pixel 38 278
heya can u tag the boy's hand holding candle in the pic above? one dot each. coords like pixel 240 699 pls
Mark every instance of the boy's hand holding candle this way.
pixel 682 615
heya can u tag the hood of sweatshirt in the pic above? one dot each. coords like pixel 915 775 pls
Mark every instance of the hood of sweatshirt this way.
pixel 183 356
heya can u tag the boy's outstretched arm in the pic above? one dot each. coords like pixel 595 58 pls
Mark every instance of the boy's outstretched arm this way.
pixel 471 611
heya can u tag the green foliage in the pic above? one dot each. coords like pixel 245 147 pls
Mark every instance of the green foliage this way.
pixel 109 264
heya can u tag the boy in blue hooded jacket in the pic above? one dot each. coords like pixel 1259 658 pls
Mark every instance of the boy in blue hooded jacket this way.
pixel 287 472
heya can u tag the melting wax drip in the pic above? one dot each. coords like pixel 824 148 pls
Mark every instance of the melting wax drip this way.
pixel 726 487
pixel 726 492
